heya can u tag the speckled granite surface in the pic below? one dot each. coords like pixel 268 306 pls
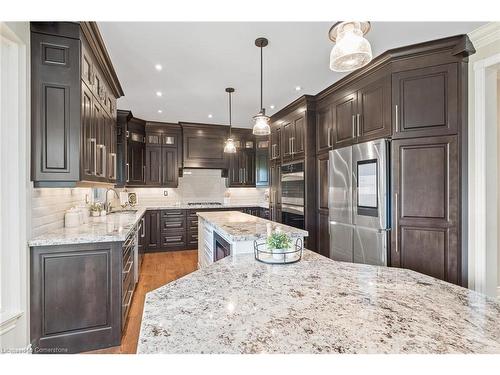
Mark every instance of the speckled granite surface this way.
pixel 111 228
pixel 238 305
pixel 237 226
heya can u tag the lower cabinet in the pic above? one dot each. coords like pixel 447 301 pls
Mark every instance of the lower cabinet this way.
pixel 323 235
pixel 177 229
pixel 425 204
pixel 76 297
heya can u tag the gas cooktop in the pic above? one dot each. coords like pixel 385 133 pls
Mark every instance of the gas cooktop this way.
pixel 204 204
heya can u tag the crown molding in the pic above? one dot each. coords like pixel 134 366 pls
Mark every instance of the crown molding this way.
pixel 485 34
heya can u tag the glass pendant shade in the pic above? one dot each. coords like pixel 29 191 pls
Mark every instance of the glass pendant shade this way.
pixel 352 50
pixel 230 147
pixel 261 126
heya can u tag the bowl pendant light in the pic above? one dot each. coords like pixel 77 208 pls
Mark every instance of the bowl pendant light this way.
pixel 261 121
pixel 230 147
pixel 351 50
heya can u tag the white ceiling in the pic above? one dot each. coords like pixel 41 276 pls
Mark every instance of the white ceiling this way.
pixel 201 59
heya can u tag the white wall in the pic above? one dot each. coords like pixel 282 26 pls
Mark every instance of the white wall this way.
pixel 14 185
pixel 487 43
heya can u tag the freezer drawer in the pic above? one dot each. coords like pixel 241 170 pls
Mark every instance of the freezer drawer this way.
pixel 341 237
pixel 370 246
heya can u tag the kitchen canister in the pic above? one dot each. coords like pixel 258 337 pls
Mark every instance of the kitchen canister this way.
pixel 72 218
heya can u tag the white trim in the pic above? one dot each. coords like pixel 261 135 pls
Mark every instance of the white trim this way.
pixel 485 34
pixel 477 202
pixel 9 321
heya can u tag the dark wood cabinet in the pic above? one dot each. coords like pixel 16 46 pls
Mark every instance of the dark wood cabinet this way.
pixel 75 297
pixel 323 235
pixel 242 168
pixel 275 142
pixel 322 213
pixel 425 207
pixel 163 154
pixel 153 165
pixel 136 163
pixel 292 139
pixel 73 108
pixel 426 101
pixel 344 110
pixel 373 117
pixel 203 146
pixel 153 230
pixel 262 163
pixel 324 129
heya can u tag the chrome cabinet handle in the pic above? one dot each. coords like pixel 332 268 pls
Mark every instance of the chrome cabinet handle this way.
pixel 329 135
pixel 128 171
pixel 357 123
pixel 143 229
pixel 94 141
pixel 396 117
pixel 396 222
pixel 103 160
pixel 353 126
pixel 114 166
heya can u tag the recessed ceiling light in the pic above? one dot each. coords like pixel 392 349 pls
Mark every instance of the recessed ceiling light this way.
pixel 298 88
pixel 271 106
pixel 210 115
pixel 160 111
pixel 158 67
pixel 159 93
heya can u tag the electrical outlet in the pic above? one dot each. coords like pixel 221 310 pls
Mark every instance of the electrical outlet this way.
pixel 165 193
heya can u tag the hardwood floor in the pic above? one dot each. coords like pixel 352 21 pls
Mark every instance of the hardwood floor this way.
pixel 157 269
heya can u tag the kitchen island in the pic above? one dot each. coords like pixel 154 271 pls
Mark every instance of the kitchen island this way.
pixel 240 305
pixel 221 233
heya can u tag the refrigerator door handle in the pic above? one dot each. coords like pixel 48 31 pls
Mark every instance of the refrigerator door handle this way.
pixel 396 222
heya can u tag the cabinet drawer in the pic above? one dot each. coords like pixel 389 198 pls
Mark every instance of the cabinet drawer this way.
pixel 192 240
pixel 173 240
pixel 173 224
pixel 172 213
pixel 192 224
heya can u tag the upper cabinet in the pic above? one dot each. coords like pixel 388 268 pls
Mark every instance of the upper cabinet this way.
pixel 203 146
pixel 262 161
pixel 242 170
pixel 73 101
pixel 292 131
pixel 163 154
pixel 425 101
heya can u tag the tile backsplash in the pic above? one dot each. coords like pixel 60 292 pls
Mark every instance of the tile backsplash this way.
pixel 48 206
pixel 197 185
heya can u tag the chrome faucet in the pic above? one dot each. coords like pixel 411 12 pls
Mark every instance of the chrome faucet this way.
pixel 107 205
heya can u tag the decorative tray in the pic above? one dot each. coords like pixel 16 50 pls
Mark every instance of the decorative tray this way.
pixel 278 256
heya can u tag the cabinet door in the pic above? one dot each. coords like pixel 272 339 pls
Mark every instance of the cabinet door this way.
pixel 248 163
pixel 373 119
pixel 275 191
pixel 344 120
pixel 324 126
pixel 111 165
pixel 275 147
pixel 136 164
pixel 323 235
pixel 153 232
pixel 55 108
pixel 88 137
pixel 203 147
pixel 425 101
pixel 262 164
pixel 322 182
pixel 425 206
pixel 153 165
pixel 99 126
pixel 298 138
pixel 170 169
pixel 235 178
pixel 286 140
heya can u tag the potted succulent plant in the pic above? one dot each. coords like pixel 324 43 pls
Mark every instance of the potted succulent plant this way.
pixel 95 209
pixel 278 243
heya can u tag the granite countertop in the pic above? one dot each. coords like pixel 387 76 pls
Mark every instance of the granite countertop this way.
pixel 110 228
pixel 237 226
pixel 239 305
pixel 113 227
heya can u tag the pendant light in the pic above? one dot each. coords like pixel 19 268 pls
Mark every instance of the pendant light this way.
pixel 230 147
pixel 261 126
pixel 351 50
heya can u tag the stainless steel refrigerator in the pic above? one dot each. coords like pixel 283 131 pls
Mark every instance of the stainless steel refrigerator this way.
pixel 359 214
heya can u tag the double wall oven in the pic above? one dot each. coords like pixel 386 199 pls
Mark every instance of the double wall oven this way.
pixel 292 195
